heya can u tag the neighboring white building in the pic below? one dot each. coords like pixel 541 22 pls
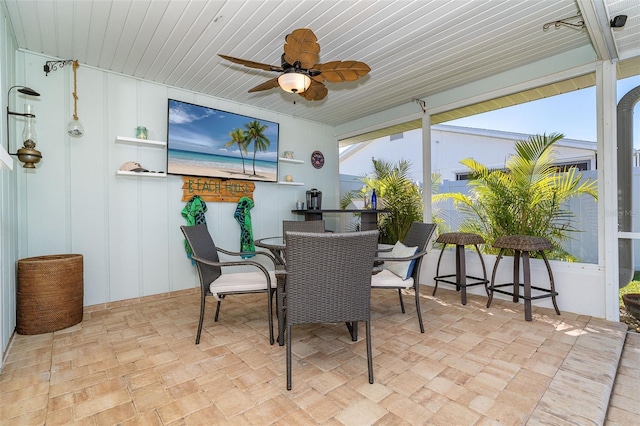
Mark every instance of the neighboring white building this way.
pixel 492 148
pixel 450 144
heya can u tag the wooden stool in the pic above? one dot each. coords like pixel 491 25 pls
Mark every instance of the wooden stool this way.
pixel 522 245
pixel 460 239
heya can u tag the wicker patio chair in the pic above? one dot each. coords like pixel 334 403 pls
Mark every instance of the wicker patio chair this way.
pixel 329 280
pixel 418 236
pixel 316 226
pixel 214 283
pixel 302 226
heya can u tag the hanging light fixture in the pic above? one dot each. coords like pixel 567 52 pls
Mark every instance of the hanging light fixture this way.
pixel 293 81
pixel 28 154
pixel 75 128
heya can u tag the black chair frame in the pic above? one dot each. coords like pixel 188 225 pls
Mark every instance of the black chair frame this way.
pixel 209 266
pixel 419 235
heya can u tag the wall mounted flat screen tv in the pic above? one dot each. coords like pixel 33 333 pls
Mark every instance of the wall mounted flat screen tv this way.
pixel 207 142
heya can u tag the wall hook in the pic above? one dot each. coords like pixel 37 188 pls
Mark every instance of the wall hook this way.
pixel 577 24
pixel 422 104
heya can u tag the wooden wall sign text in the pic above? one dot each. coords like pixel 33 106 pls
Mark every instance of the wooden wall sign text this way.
pixel 213 189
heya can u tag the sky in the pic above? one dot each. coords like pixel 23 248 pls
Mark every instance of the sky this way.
pixel 206 130
pixel 572 114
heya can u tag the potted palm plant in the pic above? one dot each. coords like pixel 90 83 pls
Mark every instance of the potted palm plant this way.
pixel 396 192
pixel 525 198
pixel 630 299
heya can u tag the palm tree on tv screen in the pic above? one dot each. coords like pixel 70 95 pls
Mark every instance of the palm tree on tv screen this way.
pixel 255 133
pixel 239 138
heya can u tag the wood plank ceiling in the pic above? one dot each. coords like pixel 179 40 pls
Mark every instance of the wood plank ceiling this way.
pixel 414 48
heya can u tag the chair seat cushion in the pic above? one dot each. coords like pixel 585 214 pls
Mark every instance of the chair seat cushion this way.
pixel 401 269
pixel 387 278
pixel 241 282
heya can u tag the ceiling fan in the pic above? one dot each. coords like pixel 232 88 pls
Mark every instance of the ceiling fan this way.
pixel 300 71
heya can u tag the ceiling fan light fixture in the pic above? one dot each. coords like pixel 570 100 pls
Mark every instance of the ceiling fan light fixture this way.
pixel 300 70
pixel 294 82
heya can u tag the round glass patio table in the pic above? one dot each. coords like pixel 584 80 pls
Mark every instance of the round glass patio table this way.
pixel 277 246
pixel 275 243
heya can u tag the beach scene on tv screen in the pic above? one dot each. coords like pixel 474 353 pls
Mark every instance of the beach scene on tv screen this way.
pixel 204 141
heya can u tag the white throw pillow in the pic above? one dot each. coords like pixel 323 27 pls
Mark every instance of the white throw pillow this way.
pixel 401 269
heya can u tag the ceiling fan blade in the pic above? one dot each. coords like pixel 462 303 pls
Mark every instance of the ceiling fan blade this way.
pixel 302 46
pixel 339 71
pixel 315 92
pixel 251 64
pixel 269 84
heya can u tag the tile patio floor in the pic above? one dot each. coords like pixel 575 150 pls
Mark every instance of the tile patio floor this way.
pixel 137 363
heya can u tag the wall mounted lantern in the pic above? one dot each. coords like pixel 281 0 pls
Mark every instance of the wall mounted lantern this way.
pixel 28 154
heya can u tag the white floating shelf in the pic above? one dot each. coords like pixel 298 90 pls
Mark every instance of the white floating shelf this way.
pixel 290 183
pixel 290 160
pixel 141 142
pixel 142 174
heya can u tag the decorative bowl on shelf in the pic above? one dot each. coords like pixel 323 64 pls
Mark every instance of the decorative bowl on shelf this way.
pixel 632 303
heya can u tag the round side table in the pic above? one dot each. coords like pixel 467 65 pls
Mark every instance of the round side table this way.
pixel 522 246
pixel 461 239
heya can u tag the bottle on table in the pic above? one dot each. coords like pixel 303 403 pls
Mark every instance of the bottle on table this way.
pixel 374 200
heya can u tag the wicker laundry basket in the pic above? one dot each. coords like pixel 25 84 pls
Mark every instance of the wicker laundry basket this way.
pixel 50 293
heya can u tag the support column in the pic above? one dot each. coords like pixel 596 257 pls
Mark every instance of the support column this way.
pixel 426 168
pixel 607 185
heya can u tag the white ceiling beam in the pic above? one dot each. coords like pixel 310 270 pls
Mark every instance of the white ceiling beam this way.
pixel 597 22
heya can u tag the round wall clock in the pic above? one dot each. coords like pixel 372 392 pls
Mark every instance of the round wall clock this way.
pixel 317 159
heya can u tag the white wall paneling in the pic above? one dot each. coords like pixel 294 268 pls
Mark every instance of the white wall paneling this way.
pixel 8 195
pixel 127 228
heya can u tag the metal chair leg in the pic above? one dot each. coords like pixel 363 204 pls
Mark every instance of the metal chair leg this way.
pixel 416 287
pixel 280 308
pixel 353 330
pixel 401 301
pixel 444 245
pixel 516 275
pixel 493 277
pixel 461 273
pixel 552 285
pixel 527 285
pixel 202 304
pixel 484 269
pixel 218 308
pixel 288 357
pixel 369 352
pixel 270 320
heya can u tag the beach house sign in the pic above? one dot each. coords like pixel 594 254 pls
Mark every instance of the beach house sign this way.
pixel 213 189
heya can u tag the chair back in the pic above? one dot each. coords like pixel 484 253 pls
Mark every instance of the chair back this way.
pixel 202 246
pixel 329 276
pixel 419 235
pixel 302 226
